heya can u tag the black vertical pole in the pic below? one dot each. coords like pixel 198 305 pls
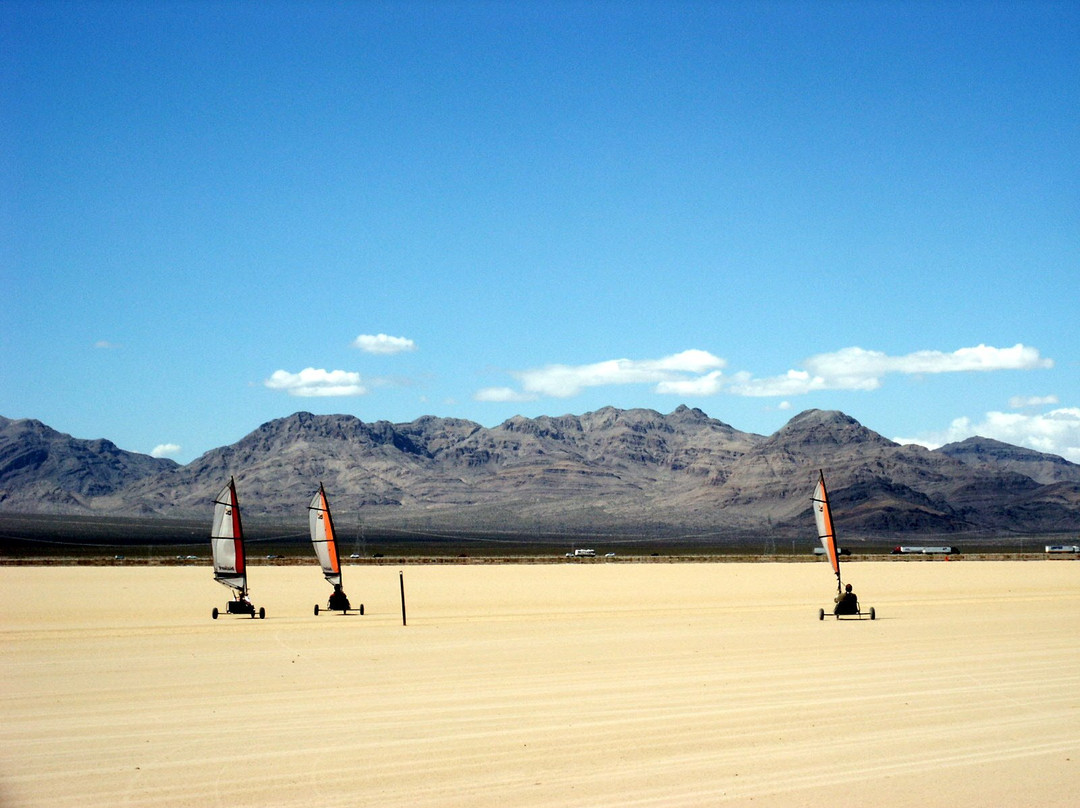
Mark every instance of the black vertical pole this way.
pixel 401 578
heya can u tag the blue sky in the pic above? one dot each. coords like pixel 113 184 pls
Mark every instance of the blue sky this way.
pixel 217 214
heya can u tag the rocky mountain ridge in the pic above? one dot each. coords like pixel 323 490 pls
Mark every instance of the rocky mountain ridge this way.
pixel 627 470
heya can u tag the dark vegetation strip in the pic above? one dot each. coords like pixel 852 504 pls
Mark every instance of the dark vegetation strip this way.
pixel 120 539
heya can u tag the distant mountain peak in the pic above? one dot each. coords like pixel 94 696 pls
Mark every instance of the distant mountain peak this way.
pixel 684 413
pixel 988 447
pixel 989 453
pixel 611 469
pixel 829 427
pixel 808 418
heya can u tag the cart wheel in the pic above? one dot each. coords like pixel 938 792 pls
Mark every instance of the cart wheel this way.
pixel 361 609
pixel 214 613
pixel 262 613
pixel 872 613
pixel 820 614
pixel 316 609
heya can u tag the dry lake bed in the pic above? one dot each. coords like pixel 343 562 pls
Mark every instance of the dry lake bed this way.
pixel 544 685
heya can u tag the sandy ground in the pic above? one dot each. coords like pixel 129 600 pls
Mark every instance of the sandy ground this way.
pixel 562 685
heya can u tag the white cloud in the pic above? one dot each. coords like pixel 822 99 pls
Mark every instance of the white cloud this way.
pixel 316 382
pixel 698 373
pixel 563 381
pixel 706 385
pixel 1054 432
pixel 859 369
pixel 859 363
pixel 105 345
pixel 165 449
pixel 691 361
pixel 792 383
pixel 383 344
pixel 1023 402
pixel 501 394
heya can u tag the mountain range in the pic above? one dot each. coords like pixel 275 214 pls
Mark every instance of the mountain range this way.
pixel 635 471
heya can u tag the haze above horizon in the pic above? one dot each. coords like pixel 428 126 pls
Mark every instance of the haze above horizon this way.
pixel 215 215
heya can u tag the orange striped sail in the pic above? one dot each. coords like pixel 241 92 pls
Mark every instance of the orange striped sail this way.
pixel 823 517
pixel 323 538
pixel 227 540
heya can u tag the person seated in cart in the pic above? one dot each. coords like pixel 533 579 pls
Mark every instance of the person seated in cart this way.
pixel 846 602
pixel 338 600
pixel 241 604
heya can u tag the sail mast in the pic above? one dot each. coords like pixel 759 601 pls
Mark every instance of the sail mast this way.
pixel 826 532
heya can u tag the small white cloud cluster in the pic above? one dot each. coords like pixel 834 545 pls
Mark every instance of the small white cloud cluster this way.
pixel 318 382
pixel 383 344
pixel 506 394
pixel 680 373
pixel 698 373
pixel 311 382
pixel 858 369
pixel 165 450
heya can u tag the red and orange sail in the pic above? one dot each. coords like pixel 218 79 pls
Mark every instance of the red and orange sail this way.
pixel 323 538
pixel 227 540
pixel 823 517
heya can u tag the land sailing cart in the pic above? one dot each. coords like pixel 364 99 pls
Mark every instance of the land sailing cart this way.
pixel 227 549
pixel 324 540
pixel 847 605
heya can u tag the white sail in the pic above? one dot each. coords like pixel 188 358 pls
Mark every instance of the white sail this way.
pixel 823 518
pixel 227 540
pixel 323 538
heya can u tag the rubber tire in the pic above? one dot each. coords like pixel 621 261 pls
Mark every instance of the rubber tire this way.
pixel 873 614
pixel 316 609
pixel 262 613
pixel 361 609
pixel 820 614
pixel 214 613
